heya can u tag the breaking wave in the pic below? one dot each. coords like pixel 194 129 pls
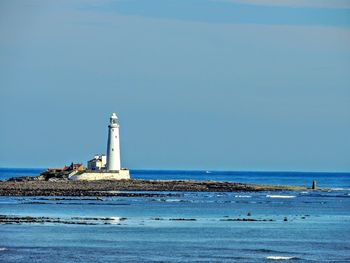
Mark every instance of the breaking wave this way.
pixel 116 219
pixel 173 200
pixel 280 258
pixel 281 196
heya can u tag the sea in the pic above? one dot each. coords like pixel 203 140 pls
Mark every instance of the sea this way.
pixel 287 226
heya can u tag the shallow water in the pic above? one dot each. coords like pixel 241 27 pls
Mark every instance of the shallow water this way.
pixel 188 227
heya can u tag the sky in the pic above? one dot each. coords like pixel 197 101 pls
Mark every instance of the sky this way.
pixel 237 85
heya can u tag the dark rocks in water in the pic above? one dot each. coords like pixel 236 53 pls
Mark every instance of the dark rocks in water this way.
pixel 90 218
pixel 48 175
pixel 285 219
pixel 34 203
pixel 53 175
pixel 222 219
pixel 6 219
pixel 68 199
pixel 182 219
pixel 24 219
pixel 22 179
pixel 247 220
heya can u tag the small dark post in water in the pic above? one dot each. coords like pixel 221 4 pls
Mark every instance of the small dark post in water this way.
pixel 314 185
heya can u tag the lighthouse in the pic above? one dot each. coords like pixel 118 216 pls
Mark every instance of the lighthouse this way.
pixel 113 145
pixel 103 167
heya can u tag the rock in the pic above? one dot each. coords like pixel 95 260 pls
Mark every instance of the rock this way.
pixel 246 220
pixel 182 219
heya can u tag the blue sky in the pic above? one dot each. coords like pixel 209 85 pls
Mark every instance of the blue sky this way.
pixel 216 84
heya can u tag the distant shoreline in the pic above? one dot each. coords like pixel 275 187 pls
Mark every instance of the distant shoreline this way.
pixel 106 188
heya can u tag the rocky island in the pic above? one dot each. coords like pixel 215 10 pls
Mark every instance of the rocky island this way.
pixel 48 185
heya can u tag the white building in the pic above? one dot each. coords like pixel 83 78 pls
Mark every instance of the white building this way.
pixel 97 163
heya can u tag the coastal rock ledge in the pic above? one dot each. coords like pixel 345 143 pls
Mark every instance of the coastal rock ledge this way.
pixel 106 188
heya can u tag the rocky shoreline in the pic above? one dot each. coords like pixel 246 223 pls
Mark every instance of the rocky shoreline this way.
pixel 107 188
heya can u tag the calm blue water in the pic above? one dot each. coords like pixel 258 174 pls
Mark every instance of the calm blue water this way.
pixel 317 230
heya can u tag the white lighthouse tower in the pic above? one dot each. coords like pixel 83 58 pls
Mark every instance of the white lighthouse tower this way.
pixel 113 145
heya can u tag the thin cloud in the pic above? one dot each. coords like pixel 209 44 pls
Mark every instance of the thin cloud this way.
pixel 339 4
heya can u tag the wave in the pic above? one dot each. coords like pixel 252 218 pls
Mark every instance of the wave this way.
pixel 3 248
pixel 173 200
pixel 280 258
pixel 243 196
pixel 281 196
pixel 265 250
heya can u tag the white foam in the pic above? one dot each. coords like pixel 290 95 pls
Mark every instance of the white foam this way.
pixel 115 219
pixel 173 200
pixel 279 258
pixel 3 249
pixel 243 196
pixel 281 196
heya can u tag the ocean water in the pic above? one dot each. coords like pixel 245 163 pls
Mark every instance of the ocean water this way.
pixel 306 226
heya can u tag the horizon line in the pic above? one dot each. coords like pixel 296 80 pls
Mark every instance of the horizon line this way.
pixel 210 170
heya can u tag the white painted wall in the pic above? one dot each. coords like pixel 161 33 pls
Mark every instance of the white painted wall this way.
pixel 97 163
pixel 104 160
pixel 93 176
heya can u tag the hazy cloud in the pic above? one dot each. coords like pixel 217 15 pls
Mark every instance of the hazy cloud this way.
pixel 296 3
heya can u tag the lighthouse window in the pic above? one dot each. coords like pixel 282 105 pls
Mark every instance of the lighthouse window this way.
pixel 114 121
pixel 116 137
